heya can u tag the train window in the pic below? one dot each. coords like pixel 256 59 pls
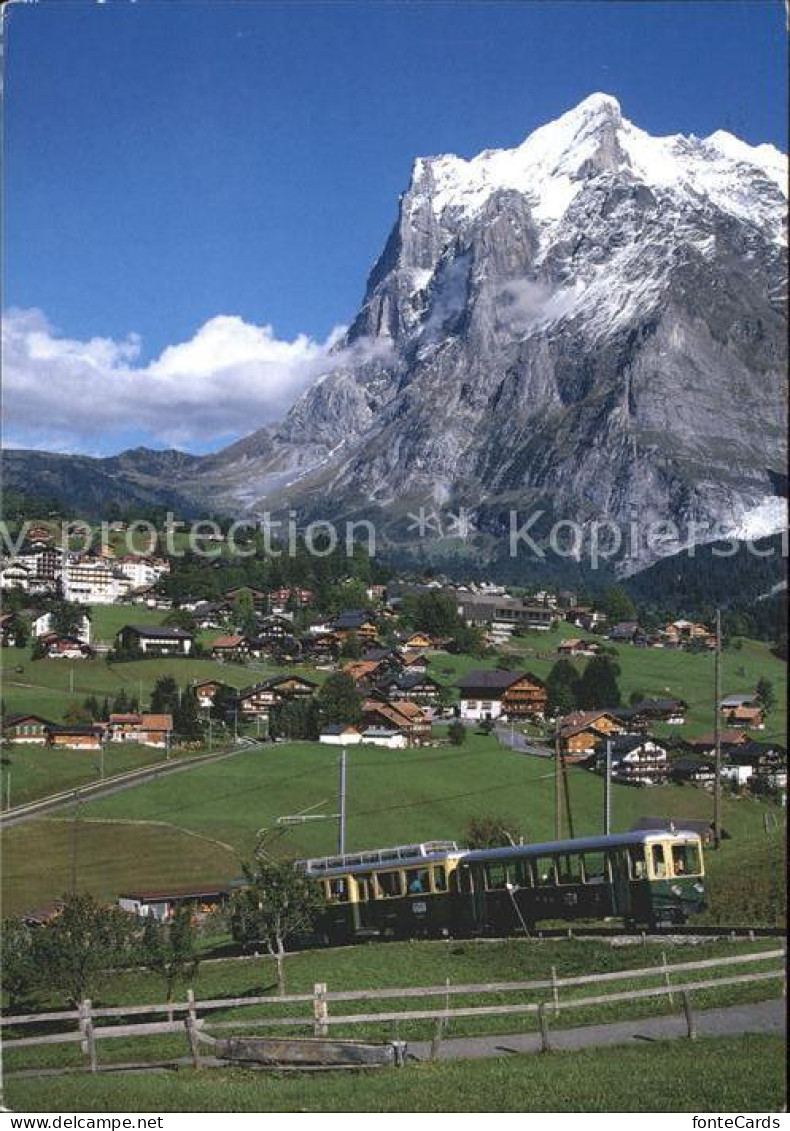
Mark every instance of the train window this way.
pixel 520 873
pixel 466 882
pixel 496 876
pixel 636 863
pixel 417 881
pixel 658 861
pixel 686 860
pixel 595 868
pixel 544 870
pixel 338 890
pixel 569 869
pixel 363 888
pixel 439 878
pixel 389 884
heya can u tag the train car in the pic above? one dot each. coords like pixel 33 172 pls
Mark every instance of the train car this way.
pixel 645 878
pixel 408 891
pixel 437 889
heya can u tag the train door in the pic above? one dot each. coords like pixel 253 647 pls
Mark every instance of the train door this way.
pixel 621 887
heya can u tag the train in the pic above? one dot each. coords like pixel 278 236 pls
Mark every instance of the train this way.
pixel 435 889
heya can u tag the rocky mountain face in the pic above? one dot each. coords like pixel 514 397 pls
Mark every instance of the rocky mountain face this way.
pixel 592 324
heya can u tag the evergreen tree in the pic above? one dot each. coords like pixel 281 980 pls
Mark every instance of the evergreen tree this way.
pixel 164 697
pixel 618 606
pixel 598 686
pixel 339 700
pixel 456 732
pixel 562 685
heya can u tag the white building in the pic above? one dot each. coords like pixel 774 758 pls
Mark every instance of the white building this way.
pixel 339 735
pixel 382 736
pixel 94 581
pixel 43 625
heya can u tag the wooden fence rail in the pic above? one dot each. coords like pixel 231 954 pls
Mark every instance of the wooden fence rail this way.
pixel 320 1020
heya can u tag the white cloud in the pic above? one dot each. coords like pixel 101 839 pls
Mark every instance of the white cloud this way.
pixel 229 379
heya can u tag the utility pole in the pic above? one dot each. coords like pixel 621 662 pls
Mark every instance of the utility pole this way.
pixel 607 790
pixel 8 791
pixel 74 832
pixel 717 734
pixel 71 679
pixel 341 807
pixel 557 789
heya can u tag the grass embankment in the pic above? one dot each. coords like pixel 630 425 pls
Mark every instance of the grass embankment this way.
pixel 664 1076
pixel 394 797
pixel 423 964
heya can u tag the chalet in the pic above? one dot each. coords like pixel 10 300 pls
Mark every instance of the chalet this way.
pixel 365 673
pixel 257 701
pixel 293 595
pixel 501 694
pixel 413 661
pixel 420 689
pixel 211 614
pixel 417 642
pixel 672 711
pixel 625 632
pixel 163 903
pixel 698 771
pixel 751 717
pixel 340 734
pixel 575 647
pixel 29 729
pixel 87 737
pixel 235 648
pixel 8 629
pixel 579 733
pixel 635 759
pixel 355 622
pixel 768 761
pixel 505 614
pixel 320 647
pixel 260 600
pixel 747 699
pixel 64 648
pixel 706 743
pixel 680 633
pixel 273 628
pixel 206 691
pixel 403 716
pixel 155 640
pixel 147 730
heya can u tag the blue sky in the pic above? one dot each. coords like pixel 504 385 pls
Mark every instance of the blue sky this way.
pixel 167 162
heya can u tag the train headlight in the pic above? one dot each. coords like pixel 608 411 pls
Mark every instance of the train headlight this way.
pixel 676 889
pixel 699 888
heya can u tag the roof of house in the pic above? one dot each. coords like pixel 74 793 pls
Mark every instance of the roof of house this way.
pixel 17 719
pixel 353 618
pixel 380 732
pixel 661 705
pixel 339 728
pixel 231 641
pixel 157 631
pixel 726 737
pixel 493 680
pixel 625 743
pixel 87 729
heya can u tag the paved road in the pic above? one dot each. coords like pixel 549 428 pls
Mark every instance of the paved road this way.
pixel 757 1017
pixel 518 742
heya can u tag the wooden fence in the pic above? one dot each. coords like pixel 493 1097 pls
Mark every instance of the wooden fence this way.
pixel 546 993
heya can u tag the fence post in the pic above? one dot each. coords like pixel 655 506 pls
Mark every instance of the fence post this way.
pixel 545 1044
pixel 555 993
pixel 437 1038
pixel 86 1028
pixel 320 1010
pixel 667 982
pixel 691 1024
pixel 191 1026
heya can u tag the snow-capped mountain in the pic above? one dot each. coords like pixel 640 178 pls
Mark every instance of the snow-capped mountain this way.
pixel 592 323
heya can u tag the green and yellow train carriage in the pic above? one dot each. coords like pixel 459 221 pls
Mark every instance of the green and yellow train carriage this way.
pixel 438 889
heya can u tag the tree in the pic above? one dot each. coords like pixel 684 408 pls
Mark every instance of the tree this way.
pixel 351 649
pixel 618 606
pixel 169 949
pixel 164 697
pixel 456 732
pixel 339 700
pixel 67 618
pixel 76 951
pixel 244 612
pixel 598 686
pixel 490 832
pixel 766 696
pixel 18 962
pixel 181 618
pixel 21 634
pixel 295 718
pixel 562 687
pixel 186 716
pixel 279 903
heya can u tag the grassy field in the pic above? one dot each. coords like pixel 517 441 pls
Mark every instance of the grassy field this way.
pixel 393 797
pixel 662 1076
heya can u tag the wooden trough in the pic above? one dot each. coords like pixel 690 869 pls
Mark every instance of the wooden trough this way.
pixel 305 1052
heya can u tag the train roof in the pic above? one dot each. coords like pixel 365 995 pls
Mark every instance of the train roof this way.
pixel 578 844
